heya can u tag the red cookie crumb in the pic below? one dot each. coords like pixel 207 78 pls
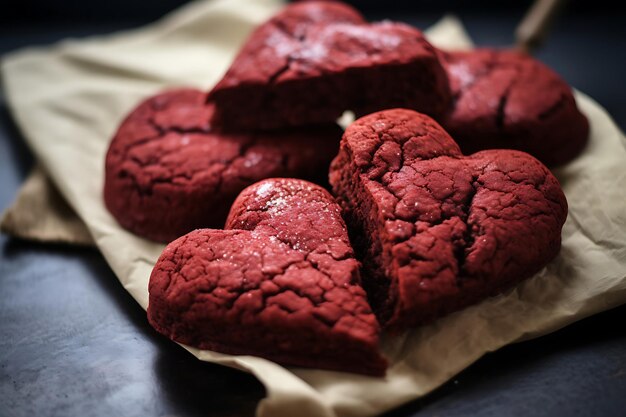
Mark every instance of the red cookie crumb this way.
pixel 437 230
pixel 507 99
pixel 168 172
pixel 316 59
pixel 281 282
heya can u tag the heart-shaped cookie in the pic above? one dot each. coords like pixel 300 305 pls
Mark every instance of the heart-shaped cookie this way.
pixel 168 172
pixel 437 230
pixel 316 59
pixel 507 99
pixel 280 282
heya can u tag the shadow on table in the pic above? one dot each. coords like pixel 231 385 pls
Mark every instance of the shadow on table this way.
pixel 195 388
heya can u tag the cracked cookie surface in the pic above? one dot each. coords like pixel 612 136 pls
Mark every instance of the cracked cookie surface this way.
pixel 281 282
pixel 507 99
pixel 316 59
pixel 169 172
pixel 438 230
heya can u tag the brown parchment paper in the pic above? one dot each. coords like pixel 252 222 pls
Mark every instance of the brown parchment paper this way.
pixel 40 213
pixel 68 100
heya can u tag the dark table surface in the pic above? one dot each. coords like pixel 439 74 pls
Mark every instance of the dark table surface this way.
pixel 74 343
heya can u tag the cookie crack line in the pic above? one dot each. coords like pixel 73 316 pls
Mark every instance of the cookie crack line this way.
pixel 500 110
pixel 469 233
pixel 177 129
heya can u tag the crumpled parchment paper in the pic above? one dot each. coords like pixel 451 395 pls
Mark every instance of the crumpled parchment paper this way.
pixel 40 213
pixel 68 100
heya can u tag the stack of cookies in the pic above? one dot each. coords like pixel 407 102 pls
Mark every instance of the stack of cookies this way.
pixel 278 252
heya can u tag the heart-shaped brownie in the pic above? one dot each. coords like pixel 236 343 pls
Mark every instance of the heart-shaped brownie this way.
pixel 437 230
pixel 507 99
pixel 280 282
pixel 168 172
pixel 316 59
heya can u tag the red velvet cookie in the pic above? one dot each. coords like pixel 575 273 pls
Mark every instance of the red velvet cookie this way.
pixel 316 59
pixel 507 99
pixel 437 230
pixel 168 172
pixel 281 282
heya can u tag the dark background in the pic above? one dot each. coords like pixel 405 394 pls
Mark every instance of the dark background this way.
pixel 67 10
pixel 74 343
